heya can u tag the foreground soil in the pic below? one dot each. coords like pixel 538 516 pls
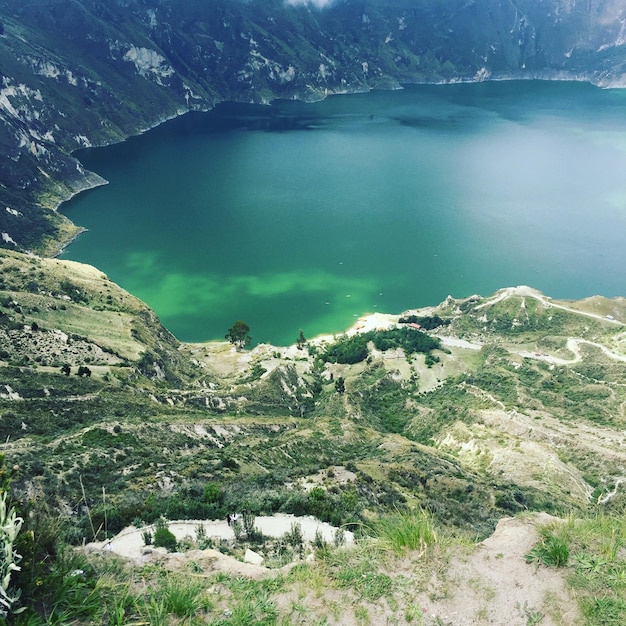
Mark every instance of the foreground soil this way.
pixel 489 583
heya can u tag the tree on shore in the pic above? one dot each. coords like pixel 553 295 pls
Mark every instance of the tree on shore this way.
pixel 301 342
pixel 238 335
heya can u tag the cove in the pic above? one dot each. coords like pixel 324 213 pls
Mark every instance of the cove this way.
pixel 304 216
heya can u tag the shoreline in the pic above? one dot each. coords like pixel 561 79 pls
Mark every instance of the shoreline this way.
pixel 547 76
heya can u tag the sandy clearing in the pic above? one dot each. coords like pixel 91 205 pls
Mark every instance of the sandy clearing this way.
pixel 130 543
pixel 455 342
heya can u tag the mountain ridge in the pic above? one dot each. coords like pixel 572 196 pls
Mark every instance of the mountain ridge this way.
pixel 85 72
pixel 443 420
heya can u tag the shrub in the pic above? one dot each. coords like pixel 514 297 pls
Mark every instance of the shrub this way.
pixel 163 537
pixel 295 538
pixel 245 529
pixel 213 493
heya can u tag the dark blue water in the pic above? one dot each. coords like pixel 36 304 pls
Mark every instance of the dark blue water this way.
pixel 306 215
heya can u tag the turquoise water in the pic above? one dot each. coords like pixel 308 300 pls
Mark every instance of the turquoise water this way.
pixel 307 215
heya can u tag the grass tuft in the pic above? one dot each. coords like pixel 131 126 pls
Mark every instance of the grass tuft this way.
pixel 403 531
pixel 551 550
pixel 182 597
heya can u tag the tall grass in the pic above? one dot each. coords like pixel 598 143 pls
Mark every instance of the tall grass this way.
pixel 592 550
pixel 182 597
pixel 406 530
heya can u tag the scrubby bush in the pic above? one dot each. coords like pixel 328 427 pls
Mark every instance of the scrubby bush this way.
pixel 213 493
pixel 349 350
pixel 429 322
pixel 163 537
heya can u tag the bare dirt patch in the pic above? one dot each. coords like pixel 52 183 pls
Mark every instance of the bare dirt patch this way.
pixel 495 584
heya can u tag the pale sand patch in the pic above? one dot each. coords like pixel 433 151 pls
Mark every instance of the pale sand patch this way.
pixel 130 542
pixel 371 321
pixel 460 343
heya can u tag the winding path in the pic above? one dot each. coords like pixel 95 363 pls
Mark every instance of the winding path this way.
pixel 573 345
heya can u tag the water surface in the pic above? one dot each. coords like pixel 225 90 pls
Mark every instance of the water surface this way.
pixel 307 215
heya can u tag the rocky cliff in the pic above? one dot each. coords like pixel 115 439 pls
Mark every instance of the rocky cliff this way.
pixel 77 73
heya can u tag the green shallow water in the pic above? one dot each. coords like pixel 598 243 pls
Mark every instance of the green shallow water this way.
pixel 307 215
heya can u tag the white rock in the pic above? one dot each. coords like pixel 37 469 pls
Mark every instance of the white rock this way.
pixel 252 557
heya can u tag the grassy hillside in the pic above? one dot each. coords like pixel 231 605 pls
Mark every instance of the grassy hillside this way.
pixel 497 406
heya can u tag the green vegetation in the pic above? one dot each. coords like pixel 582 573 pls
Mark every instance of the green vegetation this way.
pixel 238 335
pixel 551 550
pixel 426 322
pixel 163 537
pixel 412 453
pixel 354 349
pixel 592 551
pixel 407 530
pixel 107 420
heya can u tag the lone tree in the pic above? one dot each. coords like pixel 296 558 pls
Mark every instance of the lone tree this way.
pixel 301 342
pixel 238 335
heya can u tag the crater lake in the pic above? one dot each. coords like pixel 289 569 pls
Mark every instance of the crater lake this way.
pixel 305 216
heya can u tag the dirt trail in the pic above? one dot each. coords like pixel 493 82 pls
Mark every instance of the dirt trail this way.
pixel 529 292
pixel 573 345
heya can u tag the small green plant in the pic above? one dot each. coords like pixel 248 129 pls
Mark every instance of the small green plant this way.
pixel 319 542
pixel 551 550
pixel 369 585
pixel 252 532
pixel 295 538
pixel 532 617
pixel 203 541
pixel 414 613
pixel 163 537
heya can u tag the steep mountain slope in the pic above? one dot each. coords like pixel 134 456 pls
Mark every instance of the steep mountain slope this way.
pixel 515 402
pixel 469 411
pixel 88 72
